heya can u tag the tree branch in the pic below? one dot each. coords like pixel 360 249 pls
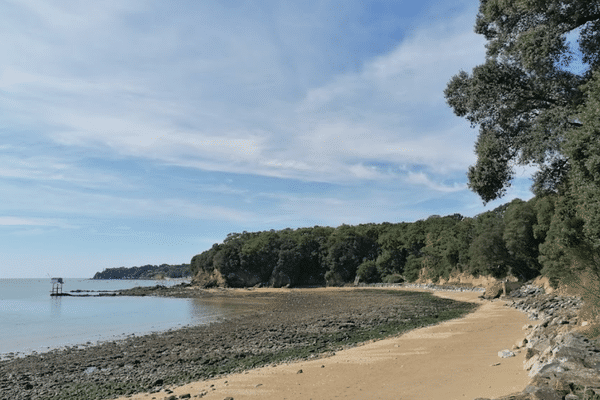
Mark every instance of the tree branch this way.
pixel 585 19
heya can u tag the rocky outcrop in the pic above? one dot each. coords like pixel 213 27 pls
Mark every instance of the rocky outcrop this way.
pixel 206 280
pixel 500 288
pixel 562 363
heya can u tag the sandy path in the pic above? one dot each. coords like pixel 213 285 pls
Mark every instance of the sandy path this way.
pixel 453 360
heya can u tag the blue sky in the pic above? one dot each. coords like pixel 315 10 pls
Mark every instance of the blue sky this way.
pixel 139 132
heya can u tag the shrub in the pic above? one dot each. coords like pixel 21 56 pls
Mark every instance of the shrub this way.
pixel 368 272
pixel 393 278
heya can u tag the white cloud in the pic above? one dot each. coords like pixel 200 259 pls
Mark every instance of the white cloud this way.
pixel 422 179
pixel 391 110
pixel 29 221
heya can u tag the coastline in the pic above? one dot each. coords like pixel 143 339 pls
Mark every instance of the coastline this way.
pixel 455 359
pixel 283 325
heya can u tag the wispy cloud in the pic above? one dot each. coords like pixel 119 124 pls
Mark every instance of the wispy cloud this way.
pixel 186 123
pixel 29 221
pixel 393 102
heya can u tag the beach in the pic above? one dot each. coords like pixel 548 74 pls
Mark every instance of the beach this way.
pixel 281 325
pixel 456 359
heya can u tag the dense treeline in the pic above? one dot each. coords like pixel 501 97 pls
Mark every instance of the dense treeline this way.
pixel 536 102
pixel 532 107
pixel 146 272
pixel 505 241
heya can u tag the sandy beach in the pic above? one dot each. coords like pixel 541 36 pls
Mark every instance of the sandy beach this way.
pixel 457 359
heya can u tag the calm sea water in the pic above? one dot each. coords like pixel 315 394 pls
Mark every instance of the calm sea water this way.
pixel 32 320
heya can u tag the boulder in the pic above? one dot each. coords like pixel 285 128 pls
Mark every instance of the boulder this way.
pixel 505 354
pixel 494 291
pixel 542 393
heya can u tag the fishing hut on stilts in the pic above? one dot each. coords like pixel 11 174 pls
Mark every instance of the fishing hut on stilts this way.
pixel 56 286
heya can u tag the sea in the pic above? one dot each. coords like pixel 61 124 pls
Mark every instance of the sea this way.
pixel 33 321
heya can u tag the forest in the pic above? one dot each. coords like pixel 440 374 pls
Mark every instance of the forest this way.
pixel 504 241
pixel 535 102
pixel 145 272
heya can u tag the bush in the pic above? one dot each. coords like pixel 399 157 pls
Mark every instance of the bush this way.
pixel 393 278
pixel 368 272
pixel 333 279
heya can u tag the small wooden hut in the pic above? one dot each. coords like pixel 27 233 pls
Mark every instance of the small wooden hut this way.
pixel 56 286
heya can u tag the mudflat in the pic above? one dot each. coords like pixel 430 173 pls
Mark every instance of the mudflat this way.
pixel 275 326
pixel 456 359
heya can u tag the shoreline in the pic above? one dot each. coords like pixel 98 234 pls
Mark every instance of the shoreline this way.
pixel 284 324
pixel 454 359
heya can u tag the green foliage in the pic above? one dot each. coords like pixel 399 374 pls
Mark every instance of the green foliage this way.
pixel 521 243
pixel 413 268
pixel 368 272
pixel 146 272
pixel 522 98
pixel 393 278
pixel 488 253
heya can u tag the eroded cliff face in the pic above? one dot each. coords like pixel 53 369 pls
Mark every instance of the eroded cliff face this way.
pixel 239 279
pixel 209 279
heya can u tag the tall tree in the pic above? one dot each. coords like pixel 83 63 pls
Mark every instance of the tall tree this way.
pixel 523 98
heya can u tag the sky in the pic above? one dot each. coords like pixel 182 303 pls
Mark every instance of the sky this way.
pixel 141 132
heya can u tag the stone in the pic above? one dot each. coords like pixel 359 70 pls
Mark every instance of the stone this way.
pixel 544 368
pixel 505 354
pixel 542 393
pixel 530 353
pixel 529 363
pixel 494 291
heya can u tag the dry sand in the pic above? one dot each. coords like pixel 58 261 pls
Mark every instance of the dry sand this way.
pixel 456 359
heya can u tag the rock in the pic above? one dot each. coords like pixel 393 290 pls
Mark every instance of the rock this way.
pixel 494 291
pixel 521 343
pixel 505 354
pixel 544 368
pixel 185 396
pixel 542 393
pixel 529 363
pixel 299 371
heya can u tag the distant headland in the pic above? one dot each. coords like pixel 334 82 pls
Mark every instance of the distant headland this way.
pixel 162 271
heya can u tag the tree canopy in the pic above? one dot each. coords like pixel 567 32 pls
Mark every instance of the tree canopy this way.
pixel 523 98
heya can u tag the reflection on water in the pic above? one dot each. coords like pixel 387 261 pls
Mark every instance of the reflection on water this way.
pixel 55 306
pixel 202 311
pixel 30 319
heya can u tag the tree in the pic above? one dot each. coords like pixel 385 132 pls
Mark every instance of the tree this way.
pixel 519 238
pixel 488 253
pixel 571 252
pixel 522 98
